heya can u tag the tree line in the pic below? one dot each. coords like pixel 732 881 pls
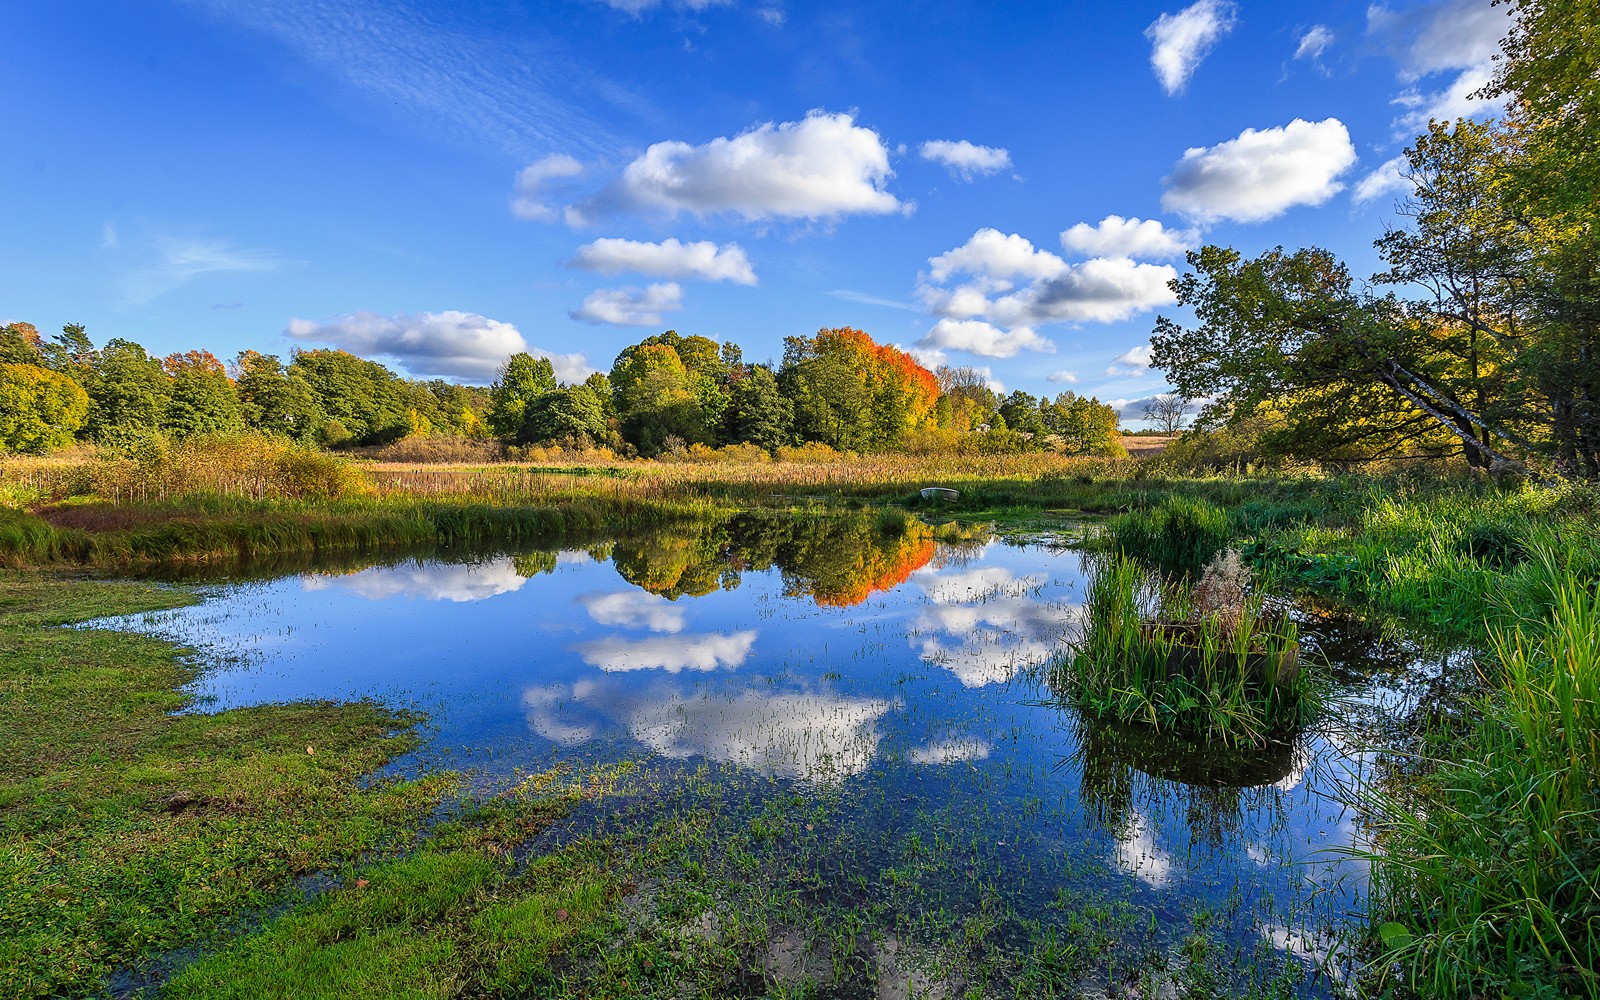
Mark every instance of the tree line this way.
pixel 1480 339
pixel 668 392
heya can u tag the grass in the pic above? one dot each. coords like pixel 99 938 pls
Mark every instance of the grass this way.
pixel 1484 883
pixel 1150 654
pixel 127 827
pixel 1495 889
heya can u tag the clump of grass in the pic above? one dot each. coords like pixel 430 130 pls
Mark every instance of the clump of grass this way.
pixel 1207 660
pixel 1179 534
pixel 1493 888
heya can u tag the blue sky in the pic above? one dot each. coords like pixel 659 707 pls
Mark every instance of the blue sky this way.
pixel 1003 185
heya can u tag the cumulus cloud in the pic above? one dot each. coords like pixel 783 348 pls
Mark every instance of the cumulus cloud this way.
pixel 615 654
pixel 1314 42
pixel 1134 361
pixel 1062 377
pixel 634 609
pixel 984 624
pixel 1180 42
pixel 1389 178
pixel 533 182
pixel 1459 37
pixel 1014 287
pixel 630 306
pixel 1118 237
pixel 668 259
pixel 822 167
pixel 1261 174
pixel 964 159
pixel 450 344
pixel 950 752
pixel 977 337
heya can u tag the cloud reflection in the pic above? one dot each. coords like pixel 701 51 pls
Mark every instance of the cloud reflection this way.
pixel 634 609
pixel 456 582
pixel 818 736
pixel 984 627
pixel 615 654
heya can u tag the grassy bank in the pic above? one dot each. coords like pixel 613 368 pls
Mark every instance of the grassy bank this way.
pixel 127 830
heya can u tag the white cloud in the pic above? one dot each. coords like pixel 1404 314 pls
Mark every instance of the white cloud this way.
pixel 818 737
pixel 615 654
pixel 1134 361
pixel 1314 42
pixel 1389 178
pixel 634 609
pixel 1445 36
pixel 449 344
pixel 528 199
pixel 630 306
pixel 431 582
pixel 1016 288
pixel 1139 855
pixel 1062 378
pixel 1261 174
pixel 668 259
pixel 950 752
pixel 993 254
pixel 1180 42
pixel 174 261
pixel 822 167
pixel 1118 237
pixel 637 7
pixel 964 159
pixel 977 337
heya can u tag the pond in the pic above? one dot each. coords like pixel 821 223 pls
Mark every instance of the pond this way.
pixel 864 707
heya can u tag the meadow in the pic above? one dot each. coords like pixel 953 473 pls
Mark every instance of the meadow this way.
pixel 138 833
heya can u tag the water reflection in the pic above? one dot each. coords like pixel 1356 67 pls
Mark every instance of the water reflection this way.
pixel 887 673
pixel 430 581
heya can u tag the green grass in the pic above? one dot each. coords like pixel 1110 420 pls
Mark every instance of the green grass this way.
pixel 1495 888
pixel 127 830
pixel 1180 534
pixel 1235 683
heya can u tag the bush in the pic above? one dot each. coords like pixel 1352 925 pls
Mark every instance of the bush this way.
pixel 812 452
pixel 423 449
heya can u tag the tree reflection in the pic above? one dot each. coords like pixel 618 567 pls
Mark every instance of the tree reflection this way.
pixel 836 560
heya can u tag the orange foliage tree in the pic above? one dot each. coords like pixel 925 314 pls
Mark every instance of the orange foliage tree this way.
pixel 854 394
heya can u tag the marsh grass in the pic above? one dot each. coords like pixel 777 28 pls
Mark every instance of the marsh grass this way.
pixel 1493 888
pixel 1180 534
pixel 1167 655
pixel 129 827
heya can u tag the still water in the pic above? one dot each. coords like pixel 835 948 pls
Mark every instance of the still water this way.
pixel 899 678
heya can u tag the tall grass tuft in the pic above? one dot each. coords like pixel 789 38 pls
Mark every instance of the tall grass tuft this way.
pixel 1207 660
pixel 1494 888
pixel 1180 534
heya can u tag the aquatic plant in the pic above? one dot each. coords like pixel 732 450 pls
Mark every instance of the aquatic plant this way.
pixel 1208 659
pixel 1179 534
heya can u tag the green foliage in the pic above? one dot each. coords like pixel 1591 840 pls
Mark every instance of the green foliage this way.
pixel 569 412
pixel 275 400
pixel 1496 886
pixel 363 398
pixel 132 827
pixel 203 401
pixel 853 394
pixel 523 379
pixel 20 345
pixel 1180 534
pixel 758 412
pixel 128 395
pixel 39 409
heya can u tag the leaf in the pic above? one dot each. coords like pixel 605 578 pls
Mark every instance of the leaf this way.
pixel 1394 935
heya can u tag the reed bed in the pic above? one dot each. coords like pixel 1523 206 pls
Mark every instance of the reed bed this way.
pixel 1206 660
